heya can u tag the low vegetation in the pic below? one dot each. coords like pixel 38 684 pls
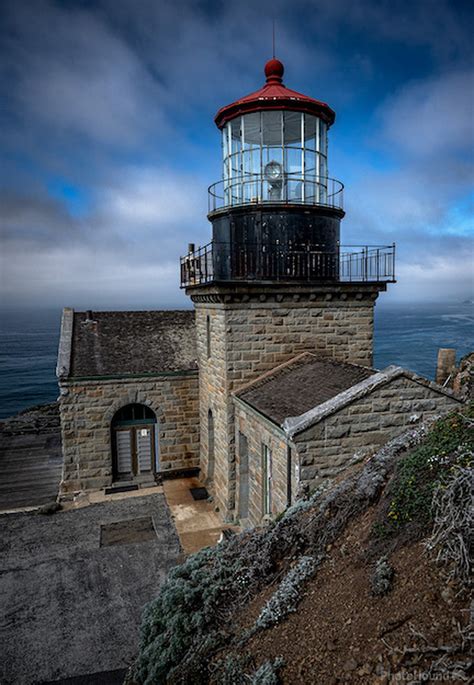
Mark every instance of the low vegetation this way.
pixel 190 632
pixel 448 447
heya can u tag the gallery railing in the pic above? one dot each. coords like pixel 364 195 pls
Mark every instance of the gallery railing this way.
pixel 220 262
pixel 256 189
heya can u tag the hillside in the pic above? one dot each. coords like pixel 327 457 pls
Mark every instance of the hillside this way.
pixel 364 583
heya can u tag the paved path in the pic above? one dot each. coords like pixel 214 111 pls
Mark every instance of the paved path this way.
pixel 70 605
pixel 197 522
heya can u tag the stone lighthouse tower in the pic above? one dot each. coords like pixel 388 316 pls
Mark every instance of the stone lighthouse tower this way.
pixel 275 280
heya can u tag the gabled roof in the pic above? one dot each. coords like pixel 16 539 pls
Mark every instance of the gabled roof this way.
pixel 300 393
pixel 296 387
pixel 126 343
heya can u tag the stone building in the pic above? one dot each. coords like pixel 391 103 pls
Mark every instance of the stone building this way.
pixel 308 419
pixel 129 401
pixel 269 382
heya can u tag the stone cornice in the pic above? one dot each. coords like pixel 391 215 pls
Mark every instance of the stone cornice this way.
pixel 284 293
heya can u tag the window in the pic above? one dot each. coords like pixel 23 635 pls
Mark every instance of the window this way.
pixel 210 445
pixel 266 480
pixel 208 336
pixel 133 413
pixel 243 451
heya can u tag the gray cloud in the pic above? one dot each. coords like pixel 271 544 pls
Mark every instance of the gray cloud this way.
pixel 73 75
pixel 111 96
pixel 431 118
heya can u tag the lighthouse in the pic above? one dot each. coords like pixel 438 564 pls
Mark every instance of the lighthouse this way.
pixel 275 280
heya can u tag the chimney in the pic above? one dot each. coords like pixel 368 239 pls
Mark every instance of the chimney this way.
pixel 446 365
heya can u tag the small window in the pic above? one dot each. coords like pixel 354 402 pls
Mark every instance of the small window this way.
pixel 133 412
pixel 243 451
pixel 208 335
pixel 266 480
pixel 210 445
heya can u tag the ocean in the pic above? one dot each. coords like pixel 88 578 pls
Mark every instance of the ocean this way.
pixel 408 335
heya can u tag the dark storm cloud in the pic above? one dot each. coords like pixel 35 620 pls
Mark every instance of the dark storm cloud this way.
pixel 116 99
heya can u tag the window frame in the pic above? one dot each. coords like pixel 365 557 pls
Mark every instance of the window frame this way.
pixel 266 480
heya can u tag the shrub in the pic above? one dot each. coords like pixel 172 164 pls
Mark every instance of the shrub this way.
pixel 448 445
pixel 233 671
pixel 382 577
pixel 267 674
pixel 452 539
pixel 286 598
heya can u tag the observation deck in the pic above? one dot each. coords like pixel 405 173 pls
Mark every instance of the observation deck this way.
pixel 275 262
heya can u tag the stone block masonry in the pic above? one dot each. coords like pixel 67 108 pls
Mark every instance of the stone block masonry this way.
pixel 88 407
pixel 337 439
pixel 258 433
pixel 251 331
pixel 362 426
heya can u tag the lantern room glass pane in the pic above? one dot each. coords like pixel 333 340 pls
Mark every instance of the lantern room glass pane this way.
pixel 310 129
pixel 323 137
pixel 251 141
pixel 292 128
pixel 251 125
pixel 272 129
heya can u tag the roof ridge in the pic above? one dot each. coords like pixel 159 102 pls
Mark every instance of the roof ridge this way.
pixel 297 424
pixel 271 373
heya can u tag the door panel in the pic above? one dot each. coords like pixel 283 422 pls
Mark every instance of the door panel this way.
pixel 144 449
pixel 124 451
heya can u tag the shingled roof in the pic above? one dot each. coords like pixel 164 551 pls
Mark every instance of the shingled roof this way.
pixel 130 343
pixel 305 382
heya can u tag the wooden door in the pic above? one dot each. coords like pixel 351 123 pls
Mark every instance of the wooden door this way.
pixel 124 451
pixel 144 441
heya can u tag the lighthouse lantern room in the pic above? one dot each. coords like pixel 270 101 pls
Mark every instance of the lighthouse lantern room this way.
pixel 276 212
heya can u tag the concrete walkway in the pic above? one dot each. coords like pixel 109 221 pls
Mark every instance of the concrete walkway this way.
pixel 197 522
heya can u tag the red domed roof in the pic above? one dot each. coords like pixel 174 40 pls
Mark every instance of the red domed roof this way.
pixel 274 95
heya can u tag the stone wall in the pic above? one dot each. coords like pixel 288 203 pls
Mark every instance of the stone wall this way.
pixel 324 450
pixel 252 334
pixel 213 395
pixel 258 433
pixel 364 425
pixel 87 409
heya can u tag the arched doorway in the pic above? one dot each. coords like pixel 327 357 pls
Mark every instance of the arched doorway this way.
pixel 210 445
pixel 134 443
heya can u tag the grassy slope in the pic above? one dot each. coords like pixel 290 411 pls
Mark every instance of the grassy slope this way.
pixel 336 591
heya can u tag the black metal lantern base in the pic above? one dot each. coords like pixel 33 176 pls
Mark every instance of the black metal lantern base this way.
pixel 276 243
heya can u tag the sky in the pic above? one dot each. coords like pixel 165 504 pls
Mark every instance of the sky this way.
pixel 108 142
